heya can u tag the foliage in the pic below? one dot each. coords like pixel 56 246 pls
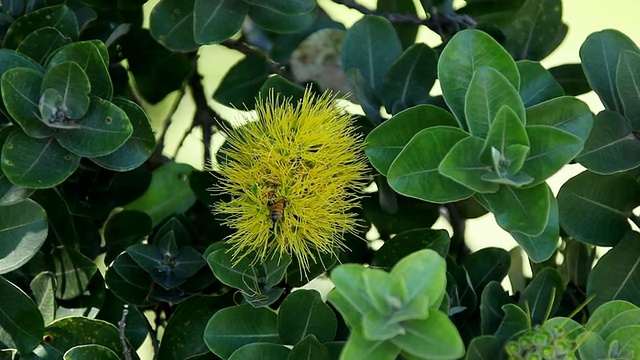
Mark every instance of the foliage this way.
pixel 105 239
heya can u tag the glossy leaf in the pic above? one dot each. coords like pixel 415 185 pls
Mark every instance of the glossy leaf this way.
pixel 90 351
pixel 608 311
pixel 506 133
pixel 64 334
pixel 542 296
pixel 23 230
pixel 600 54
pixel 60 17
pixel 21 95
pixel 113 310
pixel 241 84
pixel 32 45
pixel 538 85
pixel 365 94
pixel 541 247
pixel 424 273
pixel 408 242
pixel 93 58
pixel 623 319
pixel 572 79
pixel 359 347
pixel 388 139
pixel 414 172
pixel 372 46
pixel 303 313
pixel 171 24
pixel 43 289
pixel 434 337
pixel 463 164
pixel 628 86
pixel 71 82
pixel 410 78
pixel 73 272
pixel 282 16
pixel 484 348
pixel 486 265
pixel 626 341
pixel 21 324
pixel 218 20
pixel 260 350
pixel 594 208
pixel 125 291
pixel 523 210
pixel 616 275
pixel 309 349
pixel 534 31
pixel 36 163
pixel 493 298
pixel 565 113
pixel 138 148
pixel 515 321
pixel 231 328
pixel 353 302
pixel 488 92
pixel 467 51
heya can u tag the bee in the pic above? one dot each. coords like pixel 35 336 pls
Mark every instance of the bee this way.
pixel 277 208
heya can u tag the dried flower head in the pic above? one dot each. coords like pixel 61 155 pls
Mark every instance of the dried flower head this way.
pixel 294 176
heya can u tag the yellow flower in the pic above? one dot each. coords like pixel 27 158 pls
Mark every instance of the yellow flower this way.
pixel 294 175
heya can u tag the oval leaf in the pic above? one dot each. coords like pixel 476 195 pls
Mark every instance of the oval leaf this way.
pixel 23 229
pixel 21 324
pixel 172 24
pixel 71 82
pixel 303 313
pixel 217 20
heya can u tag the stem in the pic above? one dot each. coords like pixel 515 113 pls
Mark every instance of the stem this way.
pixel 126 352
pixel 157 156
pixel 458 248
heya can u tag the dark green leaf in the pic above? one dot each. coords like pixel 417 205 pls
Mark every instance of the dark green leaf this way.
pixel 414 172
pixel 536 29
pixel 486 265
pixel 155 264
pixel 515 321
pixel 494 297
pixel 628 86
pixel 43 288
pixel 21 94
pixel 260 350
pixel 542 296
pixel 410 214
pixel 60 17
pixel 90 351
pixel 303 313
pixel 410 78
pixel 241 84
pixel 21 324
pixel 218 20
pixel 372 46
pixel 408 242
pixel 467 51
pixel 279 85
pixel 600 54
pixel 484 348
pixel 124 229
pixel 137 149
pixel 537 85
pixel 464 165
pixel 617 273
pixel 171 24
pixel 594 208
pixel 540 248
pixel 71 82
pixel 309 349
pixel 10 59
pixel 282 16
pixel 136 329
pixel 388 139
pixel 36 163
pixel 571 78
pixel 565 113
pixel 612 145
pixel 23 229
pixel 127 292
pixel 43 42
pixel 73 272
pixel 406 32
pixel 365 94
pixel 231 328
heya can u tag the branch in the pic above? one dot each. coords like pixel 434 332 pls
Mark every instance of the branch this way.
pixel 443 24
pixel 126 352
pixel 458 247
pixel 241 46
pixel 157 156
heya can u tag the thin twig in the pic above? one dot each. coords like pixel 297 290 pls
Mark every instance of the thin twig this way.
pixel 126 352
pixel 157 155
pixel 153 334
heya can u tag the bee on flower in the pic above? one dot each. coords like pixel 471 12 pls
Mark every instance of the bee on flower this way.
pixel 294 175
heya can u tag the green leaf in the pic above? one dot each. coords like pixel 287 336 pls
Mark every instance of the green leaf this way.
pixel 424 273
pixel 541 247
pixel 21 324
pixel 464 165
pixel 388 139
pixel 618 321
pixel 90 351
pixel 493 298
pixel 523 210
pixel 551 149
pixel 190 318
pixel 612 146
pixel 172 24
pixel 59 17
pixel 281 86
pixel 36 163
pixel 40 44
pixel 506 131
pixel 616 275
pixel 113 310
pixel 231 328
pixel 240 86
pixel 538 85
pixel 43 289
pixel 71 82
pixel 365 94
pixel 138 148
pixel 21 95
pixel 600 54
pixel 408 242
pixel 515 321
pixel 282 16
pixel 592 346
pixel 487 265
pixel 309 349
pixel 467 51
pixel 607 311
pixel 594 208
pixel 357 347
pixel 260 350
pixel 414 172
pixel 169 178
pixel 626 341
pixel 488 92
pixel 571 78
pixel 73 272
pixel 406 32
pixel 123 229
pixel 434 337
pixel 303 313
pixel 628 86
pixel 410 78
pixel 542 296
pixel 565 113
pixel 104 128
pixel 125 291
pixel 372 46
pixel 156 265
pixel 23 230
pixel 536 29
pixel 66 333
pixel 93 58
pixel 349 295
pixel 218 20
pixel 484 348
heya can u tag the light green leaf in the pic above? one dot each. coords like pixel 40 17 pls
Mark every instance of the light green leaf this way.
pixel 357 347
pixel 434 337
